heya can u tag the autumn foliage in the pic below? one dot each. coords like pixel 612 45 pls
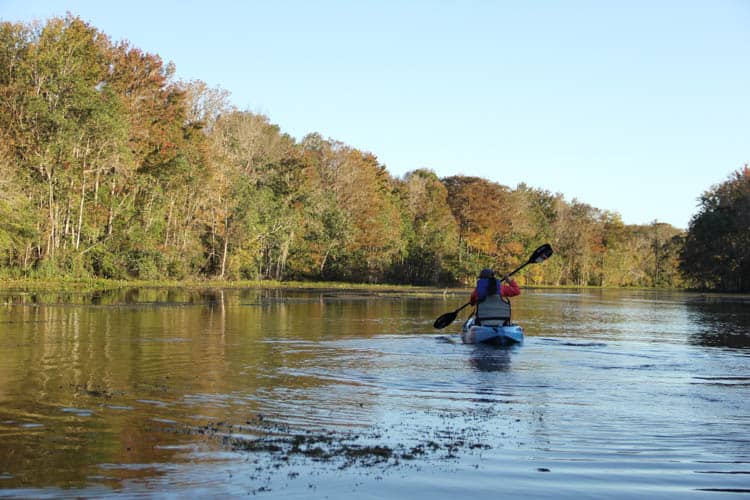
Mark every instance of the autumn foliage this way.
pixel 110 167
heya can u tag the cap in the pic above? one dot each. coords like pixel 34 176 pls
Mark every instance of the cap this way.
pixel 486 274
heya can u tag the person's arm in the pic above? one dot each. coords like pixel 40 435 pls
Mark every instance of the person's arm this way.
pixel 474 296
pixel 510 290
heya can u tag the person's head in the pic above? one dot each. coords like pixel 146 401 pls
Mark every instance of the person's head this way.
pixel 486 274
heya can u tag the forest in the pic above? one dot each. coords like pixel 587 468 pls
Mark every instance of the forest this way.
pixel 111 167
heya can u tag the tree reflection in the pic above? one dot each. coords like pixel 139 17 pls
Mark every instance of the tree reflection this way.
pixel 724 322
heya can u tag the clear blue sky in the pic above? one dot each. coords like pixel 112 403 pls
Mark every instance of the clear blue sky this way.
pixel 631 106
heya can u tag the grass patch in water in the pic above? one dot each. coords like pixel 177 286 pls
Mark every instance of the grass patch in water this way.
pixel 279 445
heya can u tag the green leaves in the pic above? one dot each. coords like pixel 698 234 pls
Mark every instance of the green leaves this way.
pixel 717 248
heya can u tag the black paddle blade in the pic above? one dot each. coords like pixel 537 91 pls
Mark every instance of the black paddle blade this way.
pixel 541 254
pixel 445 320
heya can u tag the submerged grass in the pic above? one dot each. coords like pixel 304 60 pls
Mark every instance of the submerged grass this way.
pixel 279 445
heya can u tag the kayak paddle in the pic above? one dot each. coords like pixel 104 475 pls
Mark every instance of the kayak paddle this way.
pixel 541 254
pixel 448 318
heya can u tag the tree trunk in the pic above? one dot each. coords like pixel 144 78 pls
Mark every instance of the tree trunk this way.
pixel 80 210
pixel 50 252
pixel 68 225
pixel 111 214
pixel 325 258
pixel 26 257
pixel 225 250
pixel 169 221
pixel 281 263
pixel 96 186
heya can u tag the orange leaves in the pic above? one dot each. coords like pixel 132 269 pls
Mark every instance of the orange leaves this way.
pixel 483 210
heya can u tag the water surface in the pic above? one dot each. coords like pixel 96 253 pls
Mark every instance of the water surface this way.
pixel 164 392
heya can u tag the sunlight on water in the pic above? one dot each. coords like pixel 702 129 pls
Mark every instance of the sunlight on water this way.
pixel 328 394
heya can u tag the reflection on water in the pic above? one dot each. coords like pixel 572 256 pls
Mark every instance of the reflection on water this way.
pixel 721 322
pixel 489 358
pixel 325 393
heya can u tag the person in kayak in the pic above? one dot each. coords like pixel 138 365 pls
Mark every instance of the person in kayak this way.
pixel 491 308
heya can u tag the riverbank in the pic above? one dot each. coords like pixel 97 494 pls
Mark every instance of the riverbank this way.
pixel 100 284
pixel 97 284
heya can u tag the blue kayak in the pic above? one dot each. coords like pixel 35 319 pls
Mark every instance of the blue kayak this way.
pixel 499 335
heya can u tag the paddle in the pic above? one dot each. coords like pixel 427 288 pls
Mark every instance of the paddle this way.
pixel 540 255
pixel 448 318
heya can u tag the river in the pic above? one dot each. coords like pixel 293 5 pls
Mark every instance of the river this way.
pixel 171 393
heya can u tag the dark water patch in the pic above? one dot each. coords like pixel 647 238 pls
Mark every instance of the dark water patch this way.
pixel 722 378
pixel 725 490
pixel 723 384
pixel 731 340
pixel 621 367
pixel 724 321
pixel 722 462
pixel 722 472
pixel 721 302
pixel 730 381
pixel 569 343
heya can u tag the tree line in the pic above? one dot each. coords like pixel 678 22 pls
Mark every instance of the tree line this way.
pixel 111 167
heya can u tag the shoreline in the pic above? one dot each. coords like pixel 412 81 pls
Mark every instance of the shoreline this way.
pixel 102 284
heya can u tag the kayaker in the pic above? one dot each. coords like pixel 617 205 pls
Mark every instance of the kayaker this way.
pixel 487 296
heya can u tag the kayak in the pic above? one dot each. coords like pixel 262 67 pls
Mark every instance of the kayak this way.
pixel 499 335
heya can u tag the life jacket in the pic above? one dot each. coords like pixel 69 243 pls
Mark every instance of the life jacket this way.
pixel 492 309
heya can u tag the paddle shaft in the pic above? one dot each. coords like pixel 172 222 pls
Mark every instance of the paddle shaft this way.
pixel 540 255
pixel 505 278
pixel 459 309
